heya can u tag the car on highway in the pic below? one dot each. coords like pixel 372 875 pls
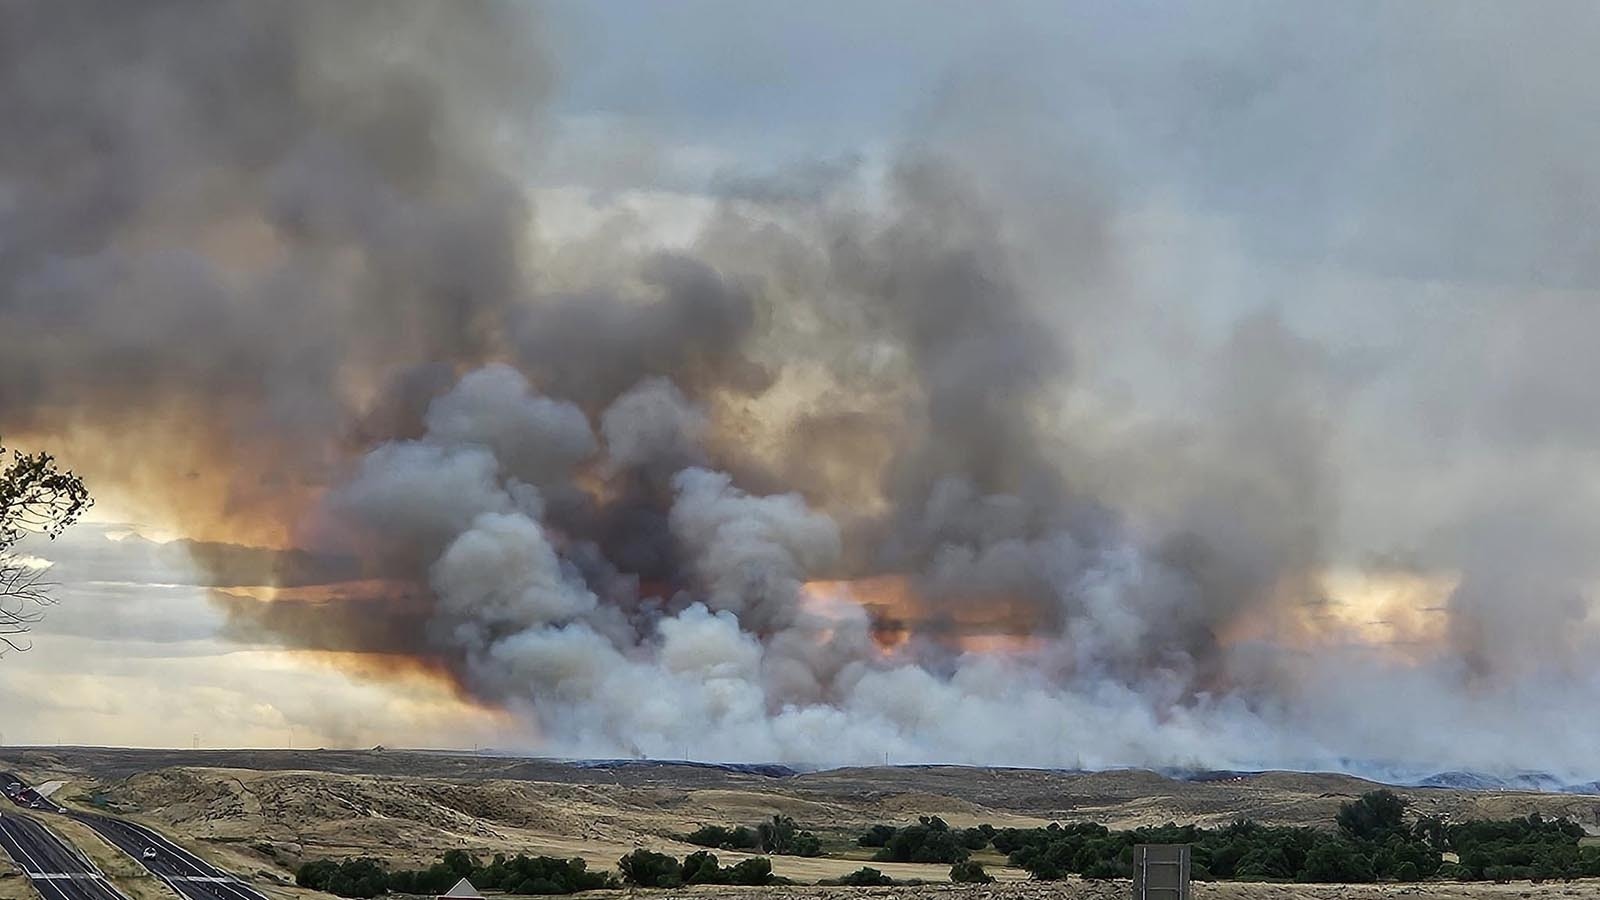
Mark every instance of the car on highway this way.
pixel 149 853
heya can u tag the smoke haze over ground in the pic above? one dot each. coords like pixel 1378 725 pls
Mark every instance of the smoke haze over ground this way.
pixel 1149 387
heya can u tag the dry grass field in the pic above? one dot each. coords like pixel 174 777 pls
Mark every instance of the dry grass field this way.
pixel 261 813
pixel 12 885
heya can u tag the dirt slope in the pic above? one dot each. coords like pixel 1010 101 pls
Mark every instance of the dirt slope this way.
pixel 261 813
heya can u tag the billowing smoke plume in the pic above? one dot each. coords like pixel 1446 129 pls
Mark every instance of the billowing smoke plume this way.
pixel 847 478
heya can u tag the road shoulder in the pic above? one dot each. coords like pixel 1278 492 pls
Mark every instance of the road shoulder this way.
pixel 131 878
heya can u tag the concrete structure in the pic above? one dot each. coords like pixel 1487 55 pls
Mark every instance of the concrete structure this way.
pixel 1161 872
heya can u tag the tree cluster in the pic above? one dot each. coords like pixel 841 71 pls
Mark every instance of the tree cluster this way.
pixel 931 840
pixel 970 872
pixel 1373 842
pixel 779 836
pixel 365 878
pixel 866 876
pixel 646 868
pixel 1535 848
pixel 718 837
pixel 361 878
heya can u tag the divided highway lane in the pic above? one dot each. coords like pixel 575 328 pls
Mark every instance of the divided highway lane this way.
pixel 68 875
pixel 56 869
pixel 189 875
pixel 21 794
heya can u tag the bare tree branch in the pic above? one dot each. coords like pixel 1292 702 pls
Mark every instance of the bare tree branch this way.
pixel 35 498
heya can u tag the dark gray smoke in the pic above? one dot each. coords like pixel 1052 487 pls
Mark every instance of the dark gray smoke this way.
pixel 926 460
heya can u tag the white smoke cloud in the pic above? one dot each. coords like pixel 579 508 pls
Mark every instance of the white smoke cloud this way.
pixel 501 575
pixel 1110 395
pixel 753 552
pixel 741 666
pixel 424 491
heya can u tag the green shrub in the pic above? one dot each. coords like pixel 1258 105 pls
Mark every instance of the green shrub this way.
pixel 781 836
pixel 358 878
pixel 1375 816
pixel 753 872
pixel 929 841
pixel 365 878
pixel 876 836
pixel 700 868
pixel 970 873
pixel 1336 861
pixel 720 838
pixel 1104 869
pixel 645 868
pixel 977 838
pixel 866 876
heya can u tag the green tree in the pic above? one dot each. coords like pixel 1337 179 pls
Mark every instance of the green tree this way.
pixel 929 841
pixel 1373 817
pixel 783 837
pixel 1336 861
pixel 701 868
pixel 970 873
pixel 315 874
pixel 645 868
pixel 1104 869
pixel 878 836
pixel 977 838
pixel 866 876
pixel 36 498
pixel 720 838
pixel 460 863
pixel 357 878
pixel 754 872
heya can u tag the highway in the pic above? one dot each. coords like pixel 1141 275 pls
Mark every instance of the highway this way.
pixel 189 875
pixel 56 869
pixel 65 874
pixel 22 795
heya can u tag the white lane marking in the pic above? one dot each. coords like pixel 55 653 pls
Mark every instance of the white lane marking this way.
pixel 5 827
pixel 95 875
pixel 151 836
pixel 237 886
pixel 76 850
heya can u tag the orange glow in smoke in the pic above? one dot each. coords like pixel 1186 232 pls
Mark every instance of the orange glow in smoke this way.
pixel 896 610
pixel 1397 613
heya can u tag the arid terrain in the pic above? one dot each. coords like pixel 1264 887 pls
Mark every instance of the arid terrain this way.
pixel 262 813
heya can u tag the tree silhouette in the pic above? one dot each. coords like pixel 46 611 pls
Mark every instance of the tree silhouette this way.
pixel 35 498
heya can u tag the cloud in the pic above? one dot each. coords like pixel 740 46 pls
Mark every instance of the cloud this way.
pixel 1080 366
